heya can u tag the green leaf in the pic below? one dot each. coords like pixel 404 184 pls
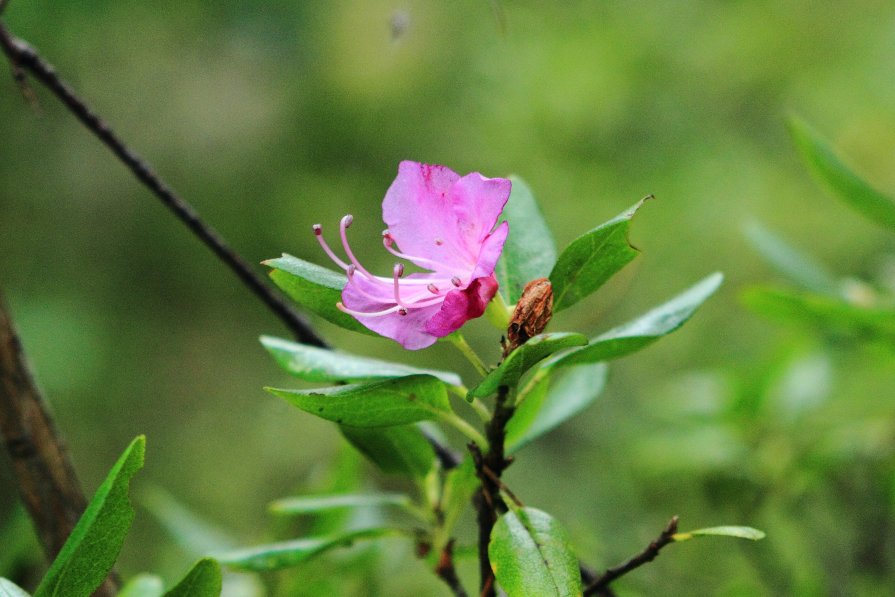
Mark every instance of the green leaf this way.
pixel 91 549
pixel 203 580
pixel 541 411
pixel 591 259
pixel 188 529
pixel 11 589
pixel 378 404
pixel 459 485
pixel 826 313
pixel 398 450
pixel 646 329
pixel 315 288
pixel 312 504
pixel 838 178
pixel 511 370
pixel 529 251
pixel 790 262
pixel 530 555
pixel 725 531
pixel 276 556
pixel 143 585
pixel 319 364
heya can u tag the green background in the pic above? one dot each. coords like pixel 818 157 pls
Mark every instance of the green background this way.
pixel 272 116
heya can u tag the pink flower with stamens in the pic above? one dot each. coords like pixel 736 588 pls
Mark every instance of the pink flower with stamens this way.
pixel 443 223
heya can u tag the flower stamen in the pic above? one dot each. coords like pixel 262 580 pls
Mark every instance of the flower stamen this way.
pixel 318 232
pixel 343 226
pixel 388 242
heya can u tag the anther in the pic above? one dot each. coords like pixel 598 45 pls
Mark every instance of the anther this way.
pixel 398 270
pixel 347 220
pixel 432 288
pixel 351 269
pixel 456 281
pixel 402 311
pixel 318 229
pixel 439 242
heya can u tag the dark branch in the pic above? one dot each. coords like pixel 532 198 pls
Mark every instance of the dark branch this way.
pixel 3 4
pixel 47 482
pixel 601 585
pixel 489 468
pixel 24 57
pixel 445 570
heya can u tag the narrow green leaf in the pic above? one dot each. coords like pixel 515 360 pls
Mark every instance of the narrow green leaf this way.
pixel 826 313
pixel 143 585
pixel 646 329
pixel 530 555
pixel 591 259
pixel 398 450
pixel 543 410
pixel 188 528
pixel 792 263
pixel 203 580
pixel 312 504
pixel 276 556
pixel 315 288
pixel 459 485
pixel 724 531
pixel 93 545
pixel 529 251
pixel 11 589
pixel 511 370
pixel 319 364
pixel 377 404
pixel 838 178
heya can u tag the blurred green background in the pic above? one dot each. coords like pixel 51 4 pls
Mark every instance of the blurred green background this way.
pixel 272 116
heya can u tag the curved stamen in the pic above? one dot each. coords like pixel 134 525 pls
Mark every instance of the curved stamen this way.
pixel 388 241
pixel 398 271
pixel 343 225
pixel 318 232
pixel 341 307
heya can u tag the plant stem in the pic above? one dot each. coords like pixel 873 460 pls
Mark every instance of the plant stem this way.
pixel 465 428
pixel 647 555
pixel 459 341
pixel 498 313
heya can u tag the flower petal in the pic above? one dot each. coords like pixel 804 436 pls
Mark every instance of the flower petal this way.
pixel 462 305
pixel 434 214
pixel 408 330
pixel 490 251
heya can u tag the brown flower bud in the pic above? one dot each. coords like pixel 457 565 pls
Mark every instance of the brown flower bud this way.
pixel 532 314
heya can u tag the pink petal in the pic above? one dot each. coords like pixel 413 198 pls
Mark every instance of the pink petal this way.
pixel 433 213
pixel 408 330
pixel 462 305
pixel 490 251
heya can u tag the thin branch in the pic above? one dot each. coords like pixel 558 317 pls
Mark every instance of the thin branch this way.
pixel 3 4
pixel 446 571
pixel 47 482
pixel 489 468
pixel 23 56
pixel 649 554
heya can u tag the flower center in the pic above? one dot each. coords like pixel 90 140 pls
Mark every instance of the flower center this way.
pixel 397 294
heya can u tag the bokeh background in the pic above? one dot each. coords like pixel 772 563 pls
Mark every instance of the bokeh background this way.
pixel 272 116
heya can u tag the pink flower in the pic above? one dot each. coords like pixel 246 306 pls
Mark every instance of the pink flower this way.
pixel 443 223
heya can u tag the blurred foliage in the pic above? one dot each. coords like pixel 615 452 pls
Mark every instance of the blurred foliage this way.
pixel 273 116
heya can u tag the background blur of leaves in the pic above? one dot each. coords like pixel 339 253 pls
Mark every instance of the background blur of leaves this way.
pixel 273 116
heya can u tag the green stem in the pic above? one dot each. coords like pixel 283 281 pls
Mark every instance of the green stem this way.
pixel 465 428
pixel 460 342
pixel 498 313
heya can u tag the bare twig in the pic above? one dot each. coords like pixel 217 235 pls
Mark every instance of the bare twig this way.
pixel 489 468
pixel 445 570
pixel 47 481
pixel 23 56
pixel 600 585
